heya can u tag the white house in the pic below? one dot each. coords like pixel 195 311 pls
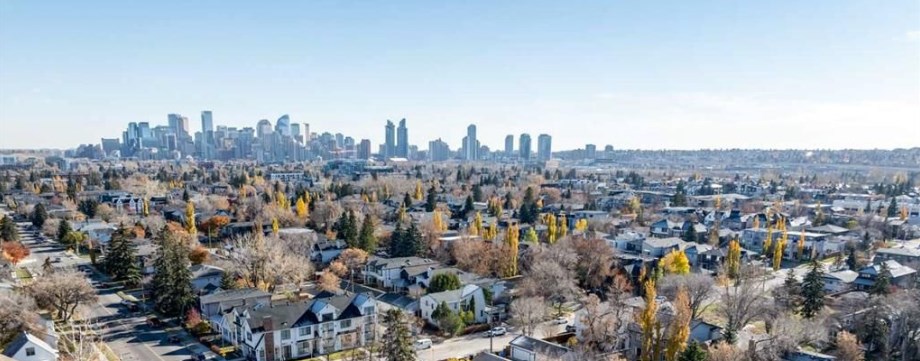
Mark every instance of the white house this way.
pixel 839 281
pixel 204 276
pixel 301 329
pixel 385 272
pixel 28 347
pixel 470 297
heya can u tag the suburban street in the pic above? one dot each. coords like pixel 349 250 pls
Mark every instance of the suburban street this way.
pixel 126 333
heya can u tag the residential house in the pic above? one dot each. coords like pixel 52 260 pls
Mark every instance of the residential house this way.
pixel 666 228
pixel 325 250
pixel 301 329
pixel 659 247
pixel 704 332
pixel 205 277
pixel 467 298
pixel 902 255
pixel 526 348
pixel 28 347
pixel 839 281
pixel 97 230
pixel 214 304
pixel 901 276
pixel 694 251
pixel 388 272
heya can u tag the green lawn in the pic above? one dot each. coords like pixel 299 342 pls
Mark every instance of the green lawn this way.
pixel 23 274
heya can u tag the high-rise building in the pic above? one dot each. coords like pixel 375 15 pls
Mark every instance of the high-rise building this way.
pixel 389 140
pixel 471 145
pixel 283 126
pixel 364 149
pixel 509 145
pixel 263 128
pixel 295 132
pixel 438 150
pixel 524 146
pixel 207 135
pixel 178 124
pixel 402 140
pixel 590 151
pixel 544 147
pixel 207 122
pixel 608 151
pixel 307 136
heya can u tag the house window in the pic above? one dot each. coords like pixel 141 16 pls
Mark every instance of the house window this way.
pixel 304 331
pixel 285 334
pixel 369 310
pixel 249 336
pixel 30 351
pixel 345 324
pixel 327 317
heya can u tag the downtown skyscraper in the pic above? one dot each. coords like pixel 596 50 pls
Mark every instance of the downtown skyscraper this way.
pixel 471 144
pixel 544 147
pixel 509 145
pixel 389 142
pixel 524 146
pixel 402 140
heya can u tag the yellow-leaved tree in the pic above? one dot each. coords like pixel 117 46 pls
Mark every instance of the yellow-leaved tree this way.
pixel 476 227
pixel 581 225
pixel 800 245
pixel 768 242
pixel 511 239
pixel 647 318
pixel 550 221
pixel 679 329
pixel 418 195
pixel 676 262
pixel 190 218
pixel 780 248
pixel 563 227
pixel 302 210
pixel 733 261
pixel 275 226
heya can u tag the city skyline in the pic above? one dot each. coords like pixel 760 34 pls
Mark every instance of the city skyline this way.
pixel 627 74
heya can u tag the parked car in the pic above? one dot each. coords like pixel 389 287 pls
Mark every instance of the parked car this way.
pixel 173 339
pixel 153 321
pixel 422 344
pixel 569 328
pixel 560 320
pixel 497 331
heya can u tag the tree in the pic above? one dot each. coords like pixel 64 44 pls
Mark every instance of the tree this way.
pixel 852 259
pixel 528 212
pixel 14 251
pixel 723 351
pixel 88 207
pixel 699 289
pixel 789 295
pixel 418 190
pixel 676 262
pixel 690 234
pixel 39 215
pixel 301 209
pixel 778 253
pixel 527 313
pixel 742 302
pixel 431 200
pixel 679 327
pixel 353 259
pixel 848 347
pixel 121 258
pixel 190 218
pixel 468 207
pixel 265 264
pixel 680 196
pixel 892 210
pixel 511 241
pixel 329 281
pixel 199 255
pixel 733 260
pixel 531 235
pixel 63 292
pixel 17 314
pixel 8 230
pixel 693 352
pixel 448 320
pixel 172 279
pixel 882 284
pixel 396 344
pixel 228 281
pixel 407 201
pixel 552 279
pixel 813 291
pixel 444 282
pixel 366 238
pixel 651 328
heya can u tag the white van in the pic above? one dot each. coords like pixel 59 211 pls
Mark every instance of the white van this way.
pixel 422 344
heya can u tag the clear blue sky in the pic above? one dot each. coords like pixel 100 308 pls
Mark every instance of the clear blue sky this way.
pixel 634 74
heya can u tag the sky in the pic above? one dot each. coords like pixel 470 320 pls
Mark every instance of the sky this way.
pixel 632 74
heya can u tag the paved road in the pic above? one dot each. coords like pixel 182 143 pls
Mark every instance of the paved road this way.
pixel 126 333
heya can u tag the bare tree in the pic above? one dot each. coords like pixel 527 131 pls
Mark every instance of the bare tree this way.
pixel 78 342
pixel 267 263
pixel 17 313
pixel 63 292
pixel 848 347
pixel 325 213
pixel 548 279
pixel 601 325
pixel 699 289
pixel 742 302
pixel 527 312
pixel 595 260
pixel 725 352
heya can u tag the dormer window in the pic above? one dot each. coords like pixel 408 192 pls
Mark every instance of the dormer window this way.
pixel 327 317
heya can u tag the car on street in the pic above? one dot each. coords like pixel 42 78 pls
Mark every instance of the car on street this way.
pixel 422 344
pixel 497 331
pixel 569 328
pixel 560 320
pixel 153 321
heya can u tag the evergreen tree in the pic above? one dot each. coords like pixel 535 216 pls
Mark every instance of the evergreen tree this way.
pixel 528 212
pixel 893 208
pixel 477 193
pixel 431 200
pixel 396 240
pixel 39 215
pixel 413 241
pixel 88 207
pixel 172 286
pixel 8 230
pixel 468 207
pixel 852 260
pixel 228 281
pixel 693 352
pixel 813 291
pixel 396 344
pixel 185 196
pixel 63 229
pixel 680 196
pixel 366 239
pixel 690 234
pixel 351 229
pixel 407 201
pixel 444 282
pixel 882 285
pixel 121 259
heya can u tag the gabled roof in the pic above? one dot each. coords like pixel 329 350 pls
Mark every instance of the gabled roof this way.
pixel 231 295
pixel 845 276
pixel 538 345
pixel 203 270
pixel 25 339
pixel 896 269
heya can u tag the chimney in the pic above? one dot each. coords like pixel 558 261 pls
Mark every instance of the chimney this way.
pixel 269 337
